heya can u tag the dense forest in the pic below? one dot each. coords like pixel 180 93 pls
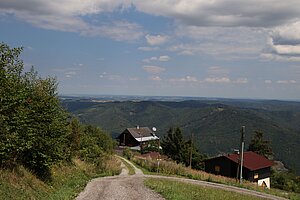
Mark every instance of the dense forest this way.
pixel 215 123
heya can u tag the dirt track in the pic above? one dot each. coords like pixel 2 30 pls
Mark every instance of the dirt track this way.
pixel 122 187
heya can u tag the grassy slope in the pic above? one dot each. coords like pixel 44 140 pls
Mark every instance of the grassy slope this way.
pixel 67 181
pixel 172 190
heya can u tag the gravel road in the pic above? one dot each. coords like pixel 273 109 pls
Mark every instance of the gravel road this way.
pixel 125 187
pixel 122 187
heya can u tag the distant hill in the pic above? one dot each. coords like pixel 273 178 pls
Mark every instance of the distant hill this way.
pixel 215 123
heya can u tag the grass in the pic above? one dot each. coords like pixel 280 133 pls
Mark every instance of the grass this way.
pixel 171 168
pixel 172 190
pixel 67 181
pixel 129 167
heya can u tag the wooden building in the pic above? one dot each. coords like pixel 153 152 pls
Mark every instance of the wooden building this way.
pixel 138 137
pixel 256 168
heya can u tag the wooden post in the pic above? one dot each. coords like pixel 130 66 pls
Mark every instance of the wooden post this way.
pixel 191 150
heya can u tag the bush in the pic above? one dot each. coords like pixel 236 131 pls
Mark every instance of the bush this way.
pixel 285 181
pixel 127 153
pixel 33 124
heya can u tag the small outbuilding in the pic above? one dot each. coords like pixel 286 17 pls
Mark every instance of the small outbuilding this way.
pixel 138 137
pixel 256 168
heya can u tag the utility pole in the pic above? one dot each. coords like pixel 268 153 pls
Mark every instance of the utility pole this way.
pixel 191 150
pixel 242 153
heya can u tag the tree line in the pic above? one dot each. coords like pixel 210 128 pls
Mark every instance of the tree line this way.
pixel 35 131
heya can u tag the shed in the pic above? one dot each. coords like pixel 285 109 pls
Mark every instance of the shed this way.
pixel 256 168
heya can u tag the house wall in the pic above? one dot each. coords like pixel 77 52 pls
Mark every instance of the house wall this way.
pixel 225 167
pixel 264 183
pixel 261 174
pixel 126 139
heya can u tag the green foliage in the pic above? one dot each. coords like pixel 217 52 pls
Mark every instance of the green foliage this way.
pixel 177 148
pixel 33 124
pixel 260 146
pixel 174 145
pixel 127 153
pixel 285 181
pixel 152 146
pixel 89 143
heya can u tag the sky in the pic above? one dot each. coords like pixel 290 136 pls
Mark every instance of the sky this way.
pixel 202 48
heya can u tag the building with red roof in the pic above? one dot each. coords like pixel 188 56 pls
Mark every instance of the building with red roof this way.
pixel 256 168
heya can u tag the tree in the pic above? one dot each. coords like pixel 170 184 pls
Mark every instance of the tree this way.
pixel 33 123
pixel 260 146
pixel 177 148
pixel 174 146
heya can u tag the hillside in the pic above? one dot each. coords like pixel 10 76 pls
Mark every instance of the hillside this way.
pixel 215 124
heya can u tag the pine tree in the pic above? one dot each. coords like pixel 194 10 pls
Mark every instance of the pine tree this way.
pixel 260 146
pixel 177 148
pixel 174 145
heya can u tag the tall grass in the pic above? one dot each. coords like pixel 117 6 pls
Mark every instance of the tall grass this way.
pixel 172 168
pixel 67 180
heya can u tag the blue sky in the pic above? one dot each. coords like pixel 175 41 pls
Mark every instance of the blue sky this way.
pixel 224 48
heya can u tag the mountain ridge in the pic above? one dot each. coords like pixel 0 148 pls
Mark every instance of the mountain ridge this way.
pixel 215 124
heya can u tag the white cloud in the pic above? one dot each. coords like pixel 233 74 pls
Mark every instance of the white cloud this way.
pixel 268 81
pixel 186 53
pixel 185 79
pixel 70 74
pixel 148 60
pixel 68 16
pixel 134 79
pixel 153 69
pixel 189 79
pixel 241 81
pixel 276 57
pixel 287 34
pixel 116 30
pixel 224 12
pixel 286 81
pixel 155 78
pixel 284 43
pixel 111 77
pixel 155 40
pixel 160 58
pixel 164 58
pixel 217 80
pixel 217 70
pixel 148 48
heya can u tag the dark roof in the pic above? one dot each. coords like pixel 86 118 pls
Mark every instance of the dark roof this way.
pixel 140 131
pixel 252 160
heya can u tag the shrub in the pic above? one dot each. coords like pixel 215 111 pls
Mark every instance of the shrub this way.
pixel 33 124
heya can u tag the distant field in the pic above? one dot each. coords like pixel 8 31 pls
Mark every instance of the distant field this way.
pixel 172 190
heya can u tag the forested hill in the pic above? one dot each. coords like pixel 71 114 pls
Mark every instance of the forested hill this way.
pixel 215 124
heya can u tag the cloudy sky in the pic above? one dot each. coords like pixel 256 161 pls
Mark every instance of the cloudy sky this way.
pixel 205 48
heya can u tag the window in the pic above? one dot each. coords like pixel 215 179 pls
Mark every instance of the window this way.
pixel 217 168
pixel 255 176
